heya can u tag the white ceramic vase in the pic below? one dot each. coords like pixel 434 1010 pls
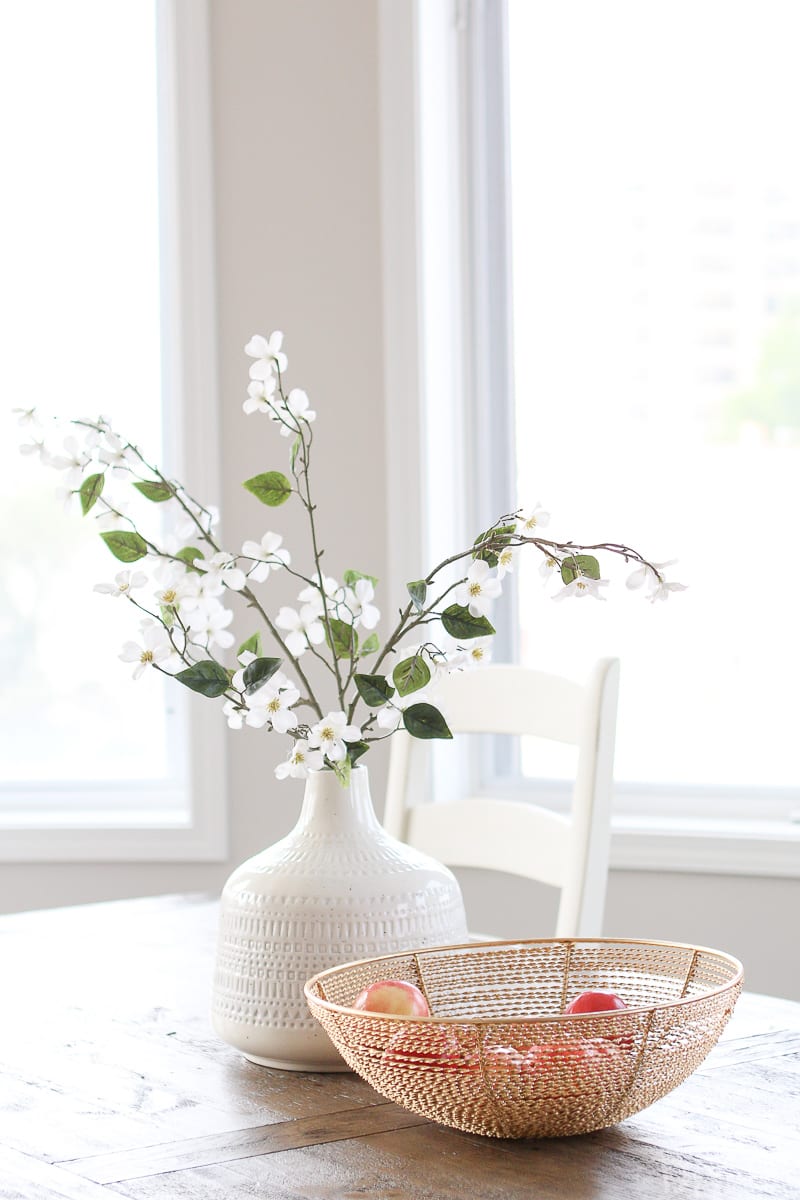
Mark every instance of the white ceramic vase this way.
pixel 337 888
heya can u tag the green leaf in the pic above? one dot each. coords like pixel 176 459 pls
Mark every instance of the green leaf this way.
pixel 258 672
pixel 342 771
pixel 351 578
pixel 206 677
pixel 295 447
pixel 187 555
pixel 125 545
pixel 90 490
pixel 167 615
pixel 345 638
pixel 154 490
pixel 370 644
pixel 425 721
pixel 374 690
pixel 411 674
pixel 251 646
pixel 355 751
pixel 272 488
pixel 460 623
pixel 580 564
pixel 500 535
pixel 418 590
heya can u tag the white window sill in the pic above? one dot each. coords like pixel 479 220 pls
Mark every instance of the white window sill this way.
pixel 714 845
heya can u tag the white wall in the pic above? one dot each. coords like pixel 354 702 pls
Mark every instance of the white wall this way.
pixel 297 150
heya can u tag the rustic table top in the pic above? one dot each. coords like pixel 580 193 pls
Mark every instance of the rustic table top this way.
pixel 113 1084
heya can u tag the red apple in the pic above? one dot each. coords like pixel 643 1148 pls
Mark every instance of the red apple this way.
pixel 438 1049
pixel 592 1002
pixel 393 996
pixel 572 1068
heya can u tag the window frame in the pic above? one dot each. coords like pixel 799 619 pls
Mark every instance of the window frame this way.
pixel 138 822
pixel 446 238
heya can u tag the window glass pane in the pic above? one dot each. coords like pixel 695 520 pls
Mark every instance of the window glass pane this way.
pixel 656 259
pixel 79 307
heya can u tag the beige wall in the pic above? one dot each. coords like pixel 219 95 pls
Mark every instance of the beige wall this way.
pixel 298 244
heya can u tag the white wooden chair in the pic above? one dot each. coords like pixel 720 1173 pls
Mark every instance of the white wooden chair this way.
pixel 567 851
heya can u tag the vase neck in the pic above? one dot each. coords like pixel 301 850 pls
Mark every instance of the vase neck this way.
pixel 330 808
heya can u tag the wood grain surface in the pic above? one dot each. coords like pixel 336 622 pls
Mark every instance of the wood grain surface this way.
pixel 113 1084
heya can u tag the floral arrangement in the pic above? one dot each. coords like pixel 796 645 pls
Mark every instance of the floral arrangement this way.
pixel 379 686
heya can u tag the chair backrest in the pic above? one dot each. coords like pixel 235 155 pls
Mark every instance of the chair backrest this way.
pixel 567 851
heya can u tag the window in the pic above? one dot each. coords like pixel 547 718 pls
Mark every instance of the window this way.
pixel 657 317
pixel 608 279
pixel 105 110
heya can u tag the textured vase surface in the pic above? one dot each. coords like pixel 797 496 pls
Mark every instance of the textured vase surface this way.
pixel 337 888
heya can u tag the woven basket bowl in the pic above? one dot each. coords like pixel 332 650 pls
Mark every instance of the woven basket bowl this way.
pixel 498 1057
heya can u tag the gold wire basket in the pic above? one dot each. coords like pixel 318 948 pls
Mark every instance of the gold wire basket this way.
pixel 499 1057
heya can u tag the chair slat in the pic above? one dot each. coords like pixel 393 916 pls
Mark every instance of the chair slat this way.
pixel 496 835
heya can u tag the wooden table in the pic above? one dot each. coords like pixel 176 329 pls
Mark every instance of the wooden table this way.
pixel 113 1084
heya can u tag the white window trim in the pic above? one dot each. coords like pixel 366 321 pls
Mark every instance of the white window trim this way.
pixel 113 822
pixel 433 193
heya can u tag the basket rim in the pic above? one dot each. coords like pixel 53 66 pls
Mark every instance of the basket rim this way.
pixel 330 1006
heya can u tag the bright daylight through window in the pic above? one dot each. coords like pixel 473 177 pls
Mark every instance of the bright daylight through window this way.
pixel 655 197
pixel 79 244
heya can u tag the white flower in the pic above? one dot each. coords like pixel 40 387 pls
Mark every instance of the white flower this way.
pixel 186 528
pixel 268 556
pixel 389 715
pixel 180 589
pixel 505 562
pixel 662 590
pixel 74 462
pixel 547 566
pixel 219 571
pixel 582 586
pixel 293 411
pixel 330 734
pixel 123 583
pixel 37 446
pixel 154 648
pixel 113 518
pixel 209 626
pixel 301 760
pixel 313 596
pixel 119 457
pixel 259 395
pixel 477 653
pixel 359 602
pixel 245 658
pixel 478 589
pixel 234 713
pixel 271 705
pixel 267 353
pixel 657 589
pixel 302 627
pixel 27 417
pixel 537 519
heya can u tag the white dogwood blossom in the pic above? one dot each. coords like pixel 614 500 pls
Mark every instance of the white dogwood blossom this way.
pixel 582 586
pixel 301 628
pixel 259 395
pixel 295 409
pixel 267 354
pixel 267 556
pixel 154 648
pixel 272 706
pixel 330 735
pixel 536 519
pixel 124 582
pixel 478 589
pixel 301 760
